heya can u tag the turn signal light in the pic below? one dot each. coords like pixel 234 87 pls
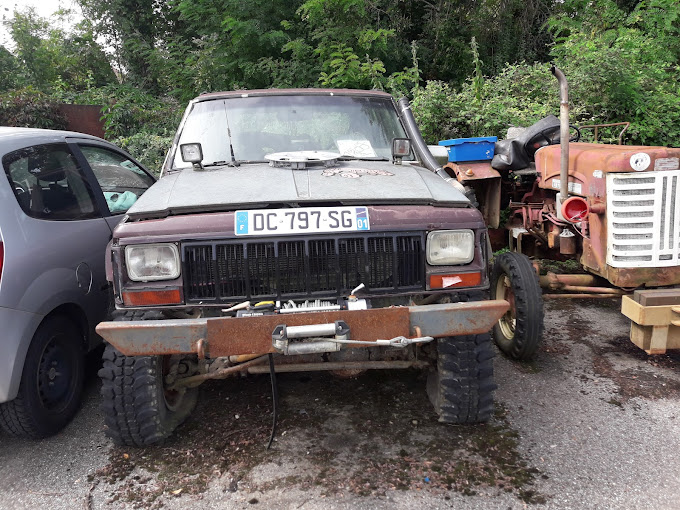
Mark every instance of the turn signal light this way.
pixel 152 297
pixel 450 281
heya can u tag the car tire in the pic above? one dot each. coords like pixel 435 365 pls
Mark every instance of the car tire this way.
pixel 138 410
pixel 462 387
pixel 51 384
pixel 519 331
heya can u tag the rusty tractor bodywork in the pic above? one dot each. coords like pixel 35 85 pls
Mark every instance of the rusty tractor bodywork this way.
pixel 613 208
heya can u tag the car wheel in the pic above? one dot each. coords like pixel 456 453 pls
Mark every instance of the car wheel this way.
pixel 461 389
pixel 519 331
pixel 51 382
pixel 138 407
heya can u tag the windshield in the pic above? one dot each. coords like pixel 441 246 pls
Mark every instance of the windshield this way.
pixel 355 127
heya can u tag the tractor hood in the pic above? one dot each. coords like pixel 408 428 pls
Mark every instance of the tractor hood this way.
pixel 258 185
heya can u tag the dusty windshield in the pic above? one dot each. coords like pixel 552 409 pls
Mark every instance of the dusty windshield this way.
pixel 355 127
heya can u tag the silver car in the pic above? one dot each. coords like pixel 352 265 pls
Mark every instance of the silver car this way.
pixel 61 195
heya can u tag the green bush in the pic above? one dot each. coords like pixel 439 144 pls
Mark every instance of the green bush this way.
pixel 523 94
pixel 621 65
pixel 127 109
pixel 148 148
pixel 519 96
pixel 29 107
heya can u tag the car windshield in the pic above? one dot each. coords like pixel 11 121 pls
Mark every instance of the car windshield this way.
pixel 355 127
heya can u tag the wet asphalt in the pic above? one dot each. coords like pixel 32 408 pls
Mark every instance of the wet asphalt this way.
pixel 595 418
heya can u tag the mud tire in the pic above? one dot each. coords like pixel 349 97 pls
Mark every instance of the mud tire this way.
pixel 461 389
pixel 136 408
pixel 51 384
pixel 519 332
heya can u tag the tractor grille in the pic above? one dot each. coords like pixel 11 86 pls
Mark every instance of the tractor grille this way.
pixel 643 219
pixel 222 271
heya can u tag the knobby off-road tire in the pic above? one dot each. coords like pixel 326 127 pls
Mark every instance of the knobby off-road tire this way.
pixel 138 411
pixel 51 384
pixel 519 332
pixel 461 389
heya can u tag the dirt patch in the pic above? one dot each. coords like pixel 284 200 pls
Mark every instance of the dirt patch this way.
pixel 637 382
pixel 655 378
pixel 363 436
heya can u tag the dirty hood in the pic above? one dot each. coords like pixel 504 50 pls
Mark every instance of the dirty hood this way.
pixel 251 186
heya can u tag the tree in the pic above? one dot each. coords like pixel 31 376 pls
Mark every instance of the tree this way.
pixel 47 57
pixel 137 31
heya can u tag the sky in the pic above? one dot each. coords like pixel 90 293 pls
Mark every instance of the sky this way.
pixel 44 8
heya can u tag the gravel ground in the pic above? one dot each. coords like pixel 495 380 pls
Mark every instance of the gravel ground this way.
pixel 591 423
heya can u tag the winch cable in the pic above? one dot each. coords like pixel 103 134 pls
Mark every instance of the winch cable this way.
pixel 275 399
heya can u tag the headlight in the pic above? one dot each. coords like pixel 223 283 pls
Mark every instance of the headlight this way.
pixel 147 262
pixel 450 247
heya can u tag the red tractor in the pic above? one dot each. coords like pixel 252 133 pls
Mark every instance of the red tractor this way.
pixel 613 208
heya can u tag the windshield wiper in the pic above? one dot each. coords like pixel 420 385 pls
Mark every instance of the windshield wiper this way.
pixel 236 162
pixel 222 163
pixel 356 158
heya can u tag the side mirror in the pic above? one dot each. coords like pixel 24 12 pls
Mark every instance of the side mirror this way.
pixel 192 153
pixel 401 148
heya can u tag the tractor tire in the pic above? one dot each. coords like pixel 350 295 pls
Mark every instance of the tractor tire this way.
pixel 518 333
pixel 138 410
pixel 461 390
pixel 51 384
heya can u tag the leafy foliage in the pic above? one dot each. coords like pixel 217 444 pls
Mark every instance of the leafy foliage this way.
pixel 150 149
pixel 519 96
pixel 472 68
pixel 29 107
pixel 46 55
pixel 621 66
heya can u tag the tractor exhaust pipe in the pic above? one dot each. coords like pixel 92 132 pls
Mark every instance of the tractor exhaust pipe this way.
pixel 564 132
pixel 419 144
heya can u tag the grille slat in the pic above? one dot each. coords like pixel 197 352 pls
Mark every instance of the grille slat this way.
pixel 200 270
pixel 289 268
pixel 644 211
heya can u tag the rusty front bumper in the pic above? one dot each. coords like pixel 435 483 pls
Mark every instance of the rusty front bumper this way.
pixel 227 336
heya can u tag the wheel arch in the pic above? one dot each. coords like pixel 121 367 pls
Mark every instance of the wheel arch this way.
pixel 70 310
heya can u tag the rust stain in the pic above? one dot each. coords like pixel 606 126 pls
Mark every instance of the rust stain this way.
pixel 643 276
pixel 473 171
pixel 253 335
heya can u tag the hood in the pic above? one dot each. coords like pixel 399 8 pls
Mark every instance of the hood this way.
pixel 255 186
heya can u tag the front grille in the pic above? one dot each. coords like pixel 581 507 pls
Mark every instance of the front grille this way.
pixel 643 219
pixel 286 268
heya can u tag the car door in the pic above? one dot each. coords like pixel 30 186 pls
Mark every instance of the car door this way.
pixel 62 232
pixel 120 179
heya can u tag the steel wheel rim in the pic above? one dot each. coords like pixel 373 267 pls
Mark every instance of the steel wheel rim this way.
pixel 54 377
pixel 508 322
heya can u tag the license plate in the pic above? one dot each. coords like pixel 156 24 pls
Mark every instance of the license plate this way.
pixel 307 220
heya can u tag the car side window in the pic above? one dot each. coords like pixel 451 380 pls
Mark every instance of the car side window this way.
pixel 122 181
pixel 48 184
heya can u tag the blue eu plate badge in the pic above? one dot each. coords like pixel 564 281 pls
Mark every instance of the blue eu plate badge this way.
pixel 241 222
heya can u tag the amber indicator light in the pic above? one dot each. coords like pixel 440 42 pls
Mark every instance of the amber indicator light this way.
pixel 450 281
pixel 152 297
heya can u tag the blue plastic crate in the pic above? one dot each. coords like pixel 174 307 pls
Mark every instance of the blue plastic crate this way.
pixel 470 149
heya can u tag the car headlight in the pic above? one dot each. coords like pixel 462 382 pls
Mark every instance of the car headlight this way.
pixel 450 247
pixel 147 262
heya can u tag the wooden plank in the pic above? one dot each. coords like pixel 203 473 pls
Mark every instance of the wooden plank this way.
pixel 647 315
pixel 657 297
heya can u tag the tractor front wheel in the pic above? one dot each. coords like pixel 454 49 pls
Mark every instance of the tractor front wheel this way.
pixel 520 330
